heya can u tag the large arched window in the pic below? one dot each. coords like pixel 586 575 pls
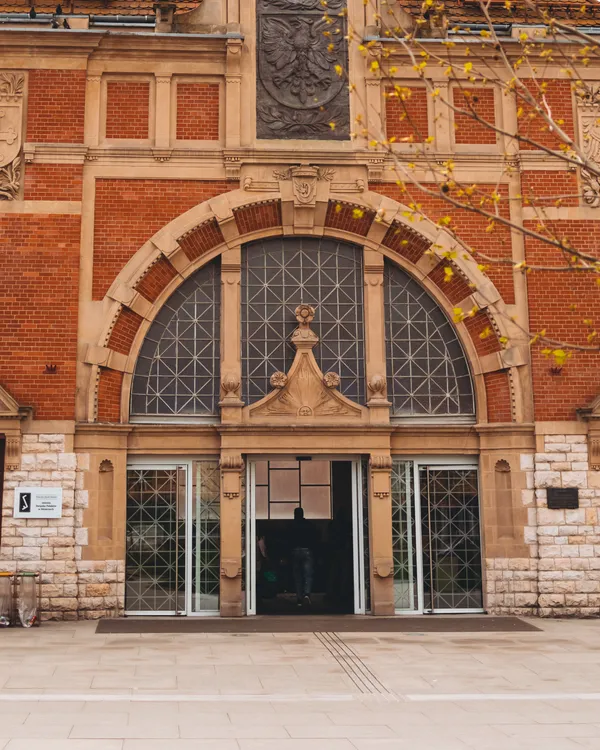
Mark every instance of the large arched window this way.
pixel 427 369
pixel 277 275
pixel 177 372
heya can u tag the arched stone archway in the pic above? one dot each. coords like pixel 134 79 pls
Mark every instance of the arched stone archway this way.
pixel 220 226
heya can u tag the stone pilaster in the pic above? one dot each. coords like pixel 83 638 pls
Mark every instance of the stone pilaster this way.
pixel 380 532
pixel 232 497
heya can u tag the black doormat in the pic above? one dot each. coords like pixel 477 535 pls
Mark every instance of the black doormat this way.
pixel 317 624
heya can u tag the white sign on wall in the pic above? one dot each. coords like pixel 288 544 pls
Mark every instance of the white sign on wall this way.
pixel 38 502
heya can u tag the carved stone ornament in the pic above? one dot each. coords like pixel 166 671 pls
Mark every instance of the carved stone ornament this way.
pixel 588 105
pixel 12 88
pixel 230 384
pixel 299 92
pixel 331 379
pixel 278 379
pixel 231 465
pixel 304 180
pixel 11 416
pixel 591 415
pixel 306 394
pixel 377 386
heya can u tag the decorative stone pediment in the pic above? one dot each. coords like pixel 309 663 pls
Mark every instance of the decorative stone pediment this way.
pixel 305 395
pixel 591 414
pixel 12 89
pixel 11 415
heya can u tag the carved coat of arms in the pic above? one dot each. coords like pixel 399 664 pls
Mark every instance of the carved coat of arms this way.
pixel 300 94
pixel 588 104
pixel 12 87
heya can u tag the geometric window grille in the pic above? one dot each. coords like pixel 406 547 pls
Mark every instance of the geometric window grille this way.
pixel 206 536
pixel 177 372
pixel 428 373
pixel 403 537
pixel 155 532
pixel 452 577
pixel 281 273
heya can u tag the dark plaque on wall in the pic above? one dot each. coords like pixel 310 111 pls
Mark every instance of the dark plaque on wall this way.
pixel 299 92
pixel 563 498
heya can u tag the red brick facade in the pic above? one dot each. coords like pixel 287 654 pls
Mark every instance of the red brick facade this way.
pixel 109 395
pixel 469 227
pixel 349 218
pixel 406 118
pixel 124 331
pixel 53 182
pixel 559 98
pixel 497 388
pixel 129 212
pixel 481 102
pixel 39 288
pixel 258 216
pixel 156 279
pixel 55 106
pixel 197 111
pixel 128 109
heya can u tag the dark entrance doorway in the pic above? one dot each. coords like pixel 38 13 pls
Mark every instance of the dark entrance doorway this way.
pixel 323 490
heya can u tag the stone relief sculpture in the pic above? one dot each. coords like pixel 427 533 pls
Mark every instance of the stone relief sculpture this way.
pixel 300 95
pixel 12 88
pixel 588 104
pixel 304 392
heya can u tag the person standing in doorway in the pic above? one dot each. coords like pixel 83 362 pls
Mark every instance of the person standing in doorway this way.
pixel 302 543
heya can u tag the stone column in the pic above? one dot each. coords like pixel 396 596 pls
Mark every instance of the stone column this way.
pixel 375 337
pixel 92 110
pixel 231 363
pixel 374 95
pixel 380 533
pixel 233 89
pixel 163 111
pixel 232 466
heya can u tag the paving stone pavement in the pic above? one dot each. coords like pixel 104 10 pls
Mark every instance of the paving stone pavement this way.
pixel 63 687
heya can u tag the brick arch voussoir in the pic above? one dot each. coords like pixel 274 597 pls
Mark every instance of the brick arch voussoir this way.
pixel 229 220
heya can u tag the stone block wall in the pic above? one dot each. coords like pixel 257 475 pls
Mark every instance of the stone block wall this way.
pixel 72 588
pixel 561 577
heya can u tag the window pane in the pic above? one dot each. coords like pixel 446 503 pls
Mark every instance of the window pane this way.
pixel 177 372
pixel 427 368
pixel 315 472
pixel 262 503
pixel 262 472
pixel 316 502
pixel 277 275
pixel 283 511
pixel 284 486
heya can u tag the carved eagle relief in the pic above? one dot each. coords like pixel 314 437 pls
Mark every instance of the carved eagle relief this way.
pixel 299 91
pixel 302 68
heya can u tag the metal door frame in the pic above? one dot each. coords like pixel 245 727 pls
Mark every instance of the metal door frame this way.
pixel 463 465
pixel 357 527
pixel 186 463
pixel 436 462
pixel 175 465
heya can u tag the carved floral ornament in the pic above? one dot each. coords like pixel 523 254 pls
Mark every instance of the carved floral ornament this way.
pixel 591 415
pixel 588 104
pixel 304 180
pixel 12 89
pixel 11 417
pixel 304 392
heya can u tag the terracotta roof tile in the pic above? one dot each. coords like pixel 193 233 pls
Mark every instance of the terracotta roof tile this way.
pixel 93 7
pixel 469 11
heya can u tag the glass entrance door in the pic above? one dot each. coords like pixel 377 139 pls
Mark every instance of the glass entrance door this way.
pixel 330 492
pixel 452 578
pixel 173 539
pixel 436 538
pixel 155 538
